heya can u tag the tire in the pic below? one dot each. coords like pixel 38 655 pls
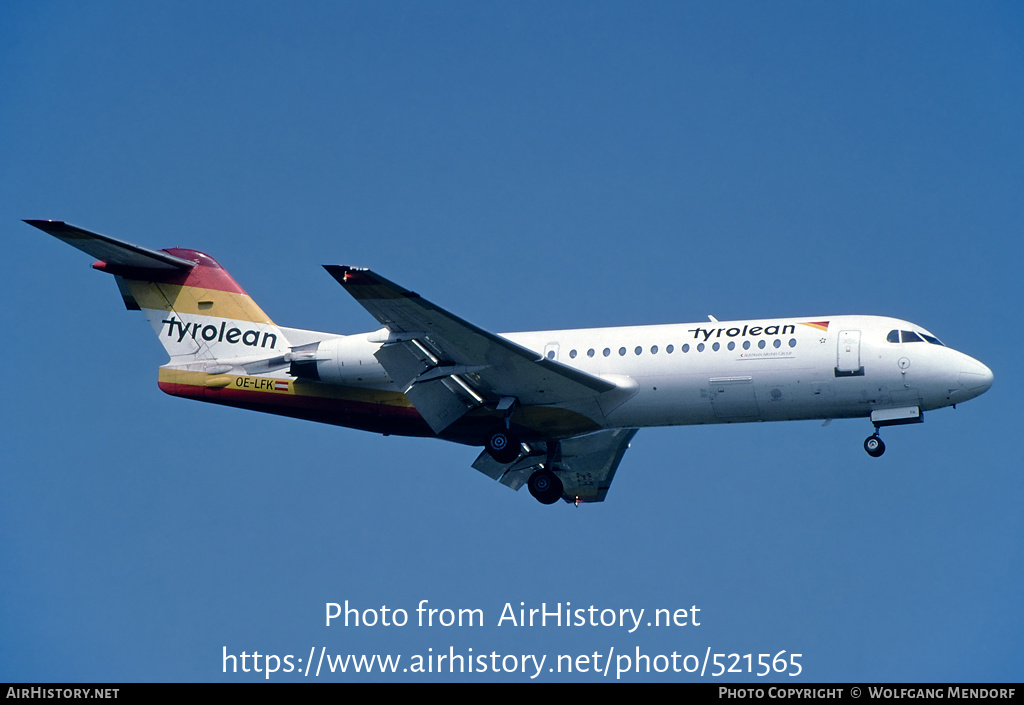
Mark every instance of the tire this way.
pixel 545 486
pixel 502 446
pixel 874 446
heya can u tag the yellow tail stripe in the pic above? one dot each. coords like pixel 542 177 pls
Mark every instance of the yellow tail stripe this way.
pixel 190 299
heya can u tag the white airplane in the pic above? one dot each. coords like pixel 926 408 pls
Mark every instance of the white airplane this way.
pixel 554 410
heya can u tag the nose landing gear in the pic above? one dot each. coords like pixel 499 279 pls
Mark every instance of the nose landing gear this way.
pixel 890 417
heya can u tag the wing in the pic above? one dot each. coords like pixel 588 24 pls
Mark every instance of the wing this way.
pixel 586 467
pixel 447 366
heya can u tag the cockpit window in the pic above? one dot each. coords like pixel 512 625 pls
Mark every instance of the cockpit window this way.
pixel 910 336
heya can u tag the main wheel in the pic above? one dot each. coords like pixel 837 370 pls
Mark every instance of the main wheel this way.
pixel 545 486
pixel 874 446
pixel 502 446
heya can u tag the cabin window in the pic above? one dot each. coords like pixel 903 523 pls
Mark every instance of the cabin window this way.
pixel 746 345
pixel 760 344
pixel 590 353
pixel 654 350
pixel 792 342
pixel 638 350
pixel 732 345
pixel 607 352
pixel 700 347
pixel 715 347
pixel 777 343
pixel 669 349
pixel 686 347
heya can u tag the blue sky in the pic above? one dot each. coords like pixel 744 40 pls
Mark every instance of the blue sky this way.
pixel 528 166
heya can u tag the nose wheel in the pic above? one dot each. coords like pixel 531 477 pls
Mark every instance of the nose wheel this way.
pixel 874 446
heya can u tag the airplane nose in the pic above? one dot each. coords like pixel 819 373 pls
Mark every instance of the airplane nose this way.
pixel 975 378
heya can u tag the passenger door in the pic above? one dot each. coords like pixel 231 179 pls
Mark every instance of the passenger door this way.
pixel 848 354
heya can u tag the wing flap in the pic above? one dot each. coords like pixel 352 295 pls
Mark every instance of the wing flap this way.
pixel 439 402
pixel 589 463
pixel 403 362
pixel 514 475
pixel 586 464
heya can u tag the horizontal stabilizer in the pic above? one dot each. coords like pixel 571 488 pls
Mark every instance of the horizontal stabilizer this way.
pixel 111 250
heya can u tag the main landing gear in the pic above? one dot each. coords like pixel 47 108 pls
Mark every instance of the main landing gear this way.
pixel 873 445
pixel 503 446
pixel 545 486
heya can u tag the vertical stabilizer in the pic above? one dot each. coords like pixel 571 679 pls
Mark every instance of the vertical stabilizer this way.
pixel 197 310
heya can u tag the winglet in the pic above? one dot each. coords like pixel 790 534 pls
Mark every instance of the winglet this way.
pixel 111 250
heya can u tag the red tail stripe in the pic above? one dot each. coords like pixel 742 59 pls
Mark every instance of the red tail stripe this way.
pixel 208 274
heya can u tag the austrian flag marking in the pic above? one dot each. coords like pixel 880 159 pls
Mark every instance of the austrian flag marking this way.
pixel 281 386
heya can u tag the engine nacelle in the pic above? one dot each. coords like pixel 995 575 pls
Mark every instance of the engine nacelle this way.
pixel 346 359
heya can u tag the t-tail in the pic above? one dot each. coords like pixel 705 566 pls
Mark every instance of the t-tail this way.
pixel 204 320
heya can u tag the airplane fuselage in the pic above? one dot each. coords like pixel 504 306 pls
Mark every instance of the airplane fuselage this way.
pixel 665 375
